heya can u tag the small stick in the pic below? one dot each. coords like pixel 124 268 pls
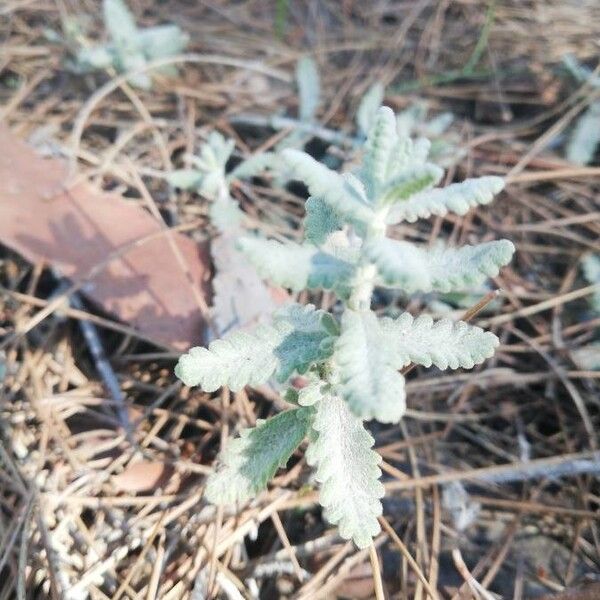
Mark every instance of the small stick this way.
pixel 378 583
pixel 90 333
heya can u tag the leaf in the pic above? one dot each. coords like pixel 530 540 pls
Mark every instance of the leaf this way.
pixel 378 150
pixel 225 213
pixel 163 41
pixel 250 461
pixel 368 107
pixel 585 137
pixel 369 380
pixel 320 221
pixel 309 88
pixel 121 26
pixel 347 469
pixel 306 337
pixel 75 230
pixel 409 182
pixel 297 266
pixel 240 358
pixel 587 357
pixel 256 164
pixel 142 476
pixel 298 337
pixel 95 57
pixel 591 271
pixel 457 197
pixel 240 296
pixel 333 189
pixel 403 265
pixel 184 179
pixel 444 343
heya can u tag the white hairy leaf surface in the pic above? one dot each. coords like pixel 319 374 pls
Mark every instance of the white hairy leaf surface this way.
pixel 334 189
pixel 95 57
pixel 585 137
pixel 299 336
pixel 256 164
pixel 404 265
pixel 184 179
pixel 380 145
pixel 121 26
pixel 409 182
pixel 297 266
pixel 457 198
pixel 320 221
pixel 369 380
pixel 591 271
pixel 162 41
pixel 346 466
pixel 250 461
pixel 368 107
pixel 444 343
pixel 309 88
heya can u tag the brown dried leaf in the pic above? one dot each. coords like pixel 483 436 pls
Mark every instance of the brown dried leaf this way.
pixel 143 476
pixel 76 229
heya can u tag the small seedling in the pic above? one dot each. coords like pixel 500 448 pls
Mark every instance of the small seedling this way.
pixel 131 48
pixel 240 295
pixel 352 359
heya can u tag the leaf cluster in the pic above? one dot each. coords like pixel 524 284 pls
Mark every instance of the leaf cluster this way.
pixel 351 359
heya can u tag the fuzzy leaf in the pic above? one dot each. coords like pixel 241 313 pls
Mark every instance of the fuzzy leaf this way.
pixel 121 26
pixel 95 57
pixel 457 198
pixel 410 182
pixel 338 192
pixel 184 179
pixel 585 137
pixel 320 221
pixel 240 358
pixel 296 266
pixel 444 343
pixel 255 164
pixel 299 336
pixel 381 142
pixel 404 265
pixel 163 41
pixel 368 107
pixel 250 461
pixel 347 469
pixel 369 380
pixel 306 336
pixel 591 271
pixel 309 88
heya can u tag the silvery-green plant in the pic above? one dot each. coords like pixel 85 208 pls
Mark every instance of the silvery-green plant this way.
pixel 240 296
pixel 585 135
pixel 351 360
pixel 414 121
pixel 131 48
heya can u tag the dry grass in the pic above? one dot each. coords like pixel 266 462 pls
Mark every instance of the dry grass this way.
pixel 521 433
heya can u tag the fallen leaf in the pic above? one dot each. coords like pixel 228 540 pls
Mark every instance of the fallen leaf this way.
pixel 143 476
pixel 77 228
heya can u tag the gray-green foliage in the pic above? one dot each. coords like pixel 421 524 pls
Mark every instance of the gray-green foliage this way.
pixel 414 121
pixel 585 135
pixel 352 362
pixel 240 296
pixel 131 48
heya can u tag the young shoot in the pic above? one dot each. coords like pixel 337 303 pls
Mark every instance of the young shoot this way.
pixel 351 362
pixel 131 48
